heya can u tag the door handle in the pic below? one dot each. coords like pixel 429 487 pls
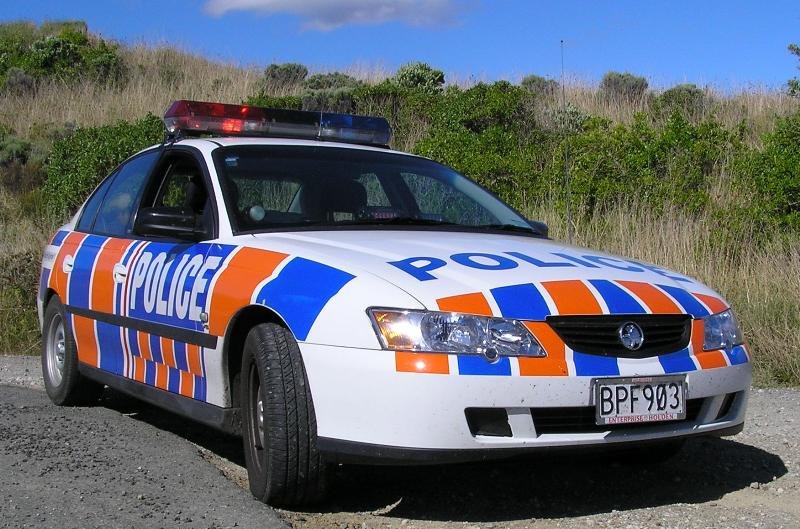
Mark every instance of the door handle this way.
pixel 68 264
pixel 120 273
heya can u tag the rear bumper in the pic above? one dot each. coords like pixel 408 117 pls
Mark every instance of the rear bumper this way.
pixel 365 409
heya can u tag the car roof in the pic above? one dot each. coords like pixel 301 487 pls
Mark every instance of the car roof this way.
pixel 227 141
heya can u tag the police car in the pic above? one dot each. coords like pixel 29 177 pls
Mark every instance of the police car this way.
pixel 284 275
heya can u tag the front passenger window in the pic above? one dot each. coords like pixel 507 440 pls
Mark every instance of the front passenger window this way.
pixel 115 216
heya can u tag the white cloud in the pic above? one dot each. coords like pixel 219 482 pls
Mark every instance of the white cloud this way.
pixel 331 14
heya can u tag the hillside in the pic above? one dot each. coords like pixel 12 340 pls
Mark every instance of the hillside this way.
pixel 691 178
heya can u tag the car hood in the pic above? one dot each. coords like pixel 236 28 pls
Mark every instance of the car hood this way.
pixel 436 267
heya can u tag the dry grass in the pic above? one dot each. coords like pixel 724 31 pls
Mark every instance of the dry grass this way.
pixel 762 283
pixel 158 75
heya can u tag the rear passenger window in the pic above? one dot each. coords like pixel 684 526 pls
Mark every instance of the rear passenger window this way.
pixel 93 204
pixel 115 216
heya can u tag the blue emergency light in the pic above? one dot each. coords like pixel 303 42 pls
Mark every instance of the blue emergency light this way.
pixel 197 118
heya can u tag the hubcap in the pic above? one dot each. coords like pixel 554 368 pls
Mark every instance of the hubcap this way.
pixel 258 434
pixel 260 418
pixel 56 350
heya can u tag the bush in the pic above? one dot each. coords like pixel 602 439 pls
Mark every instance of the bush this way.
pixel 331 100
pixel 686 99
pixel 13 148
pixel 103 62
pixel 263 100
pixel 794 84
pixel 477 131
pixel 540 86
pixel 420 76
pixel 53 56
pixel 329 81
pixel 79 161
pixel 283 76
pixel 623 86
pixel 568 118
pixel 773 174
pixel 61 50
pixel 18 82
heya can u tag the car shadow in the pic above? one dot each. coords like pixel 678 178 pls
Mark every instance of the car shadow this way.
pixel 553 485
pixel 222 444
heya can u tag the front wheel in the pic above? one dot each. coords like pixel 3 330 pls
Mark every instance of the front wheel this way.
pixel 63 382
pixel 279 427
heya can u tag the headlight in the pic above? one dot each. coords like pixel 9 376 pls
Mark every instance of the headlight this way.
pixel 721 331
pixel 450 332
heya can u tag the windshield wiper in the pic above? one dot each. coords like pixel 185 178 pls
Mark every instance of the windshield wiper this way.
pixel 403 221
pixel 510 227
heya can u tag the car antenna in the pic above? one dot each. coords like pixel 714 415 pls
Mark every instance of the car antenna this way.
pixel 565 124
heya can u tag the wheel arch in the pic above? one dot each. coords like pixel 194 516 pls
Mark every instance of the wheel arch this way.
pixel 45 296
pixel 240 324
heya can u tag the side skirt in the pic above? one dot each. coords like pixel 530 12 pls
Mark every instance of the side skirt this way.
pixel 224 419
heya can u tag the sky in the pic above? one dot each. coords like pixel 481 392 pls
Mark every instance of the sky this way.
pixel 728 45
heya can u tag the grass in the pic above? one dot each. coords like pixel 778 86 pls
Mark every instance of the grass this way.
pixel 761 282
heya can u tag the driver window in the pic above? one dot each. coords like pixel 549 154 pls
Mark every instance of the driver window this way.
pixel 115 215
pixel 183 188
pixel 178 186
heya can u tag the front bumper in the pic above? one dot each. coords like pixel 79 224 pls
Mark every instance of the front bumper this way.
pixel 364 406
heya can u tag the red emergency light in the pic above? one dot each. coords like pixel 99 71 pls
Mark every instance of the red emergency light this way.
pixel 198 118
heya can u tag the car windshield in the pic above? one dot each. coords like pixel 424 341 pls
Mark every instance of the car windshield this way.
pixel 278 187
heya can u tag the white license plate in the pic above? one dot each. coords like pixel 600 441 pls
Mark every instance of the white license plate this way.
pixel 626 400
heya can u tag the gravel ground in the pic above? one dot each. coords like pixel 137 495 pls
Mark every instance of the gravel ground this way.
pixel 106 466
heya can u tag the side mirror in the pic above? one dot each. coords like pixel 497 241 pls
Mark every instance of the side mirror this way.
pixel 170 222
pixel 540 228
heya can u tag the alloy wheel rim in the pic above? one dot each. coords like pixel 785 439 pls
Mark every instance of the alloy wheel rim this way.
pixel 56 350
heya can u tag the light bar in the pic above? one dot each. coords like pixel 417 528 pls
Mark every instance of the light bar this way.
pixel 196 117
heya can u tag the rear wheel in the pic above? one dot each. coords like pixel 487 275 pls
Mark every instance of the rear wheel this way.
pixel 279 428
pixel 63 382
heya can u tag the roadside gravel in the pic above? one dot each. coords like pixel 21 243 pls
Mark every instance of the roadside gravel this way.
pixel 749 481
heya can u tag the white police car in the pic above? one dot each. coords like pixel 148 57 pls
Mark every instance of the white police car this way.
pixel 289 277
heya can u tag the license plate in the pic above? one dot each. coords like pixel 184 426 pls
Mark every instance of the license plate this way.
pixel 626 400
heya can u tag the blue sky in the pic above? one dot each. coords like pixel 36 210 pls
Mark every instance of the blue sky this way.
pixel 729 45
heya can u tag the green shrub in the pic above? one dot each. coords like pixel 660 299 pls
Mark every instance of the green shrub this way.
pixel 103 62
pixel 623 86
pixel 329 100
pixel 263 100
pixel 71 27
pixel 282 76
pixel 407 110
pixel 60 50
pixel 772 175
pixel 18 82
pixel 329 81
pixel 568 118
pixel 477 131
pixel 79 161
pixel 53 56
pixel 794 84
pixel 686 99
pixel 540 86
pixel 420 76
pixel 13 148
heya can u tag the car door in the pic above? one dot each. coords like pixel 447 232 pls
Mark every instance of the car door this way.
pixel 103 240
pixel 166 279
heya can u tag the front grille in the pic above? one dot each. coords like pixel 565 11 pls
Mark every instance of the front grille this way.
pixel 599 335
pixel 582 419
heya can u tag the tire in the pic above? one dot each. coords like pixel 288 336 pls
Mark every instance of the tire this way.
pixel 63 382
pixel 284 466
